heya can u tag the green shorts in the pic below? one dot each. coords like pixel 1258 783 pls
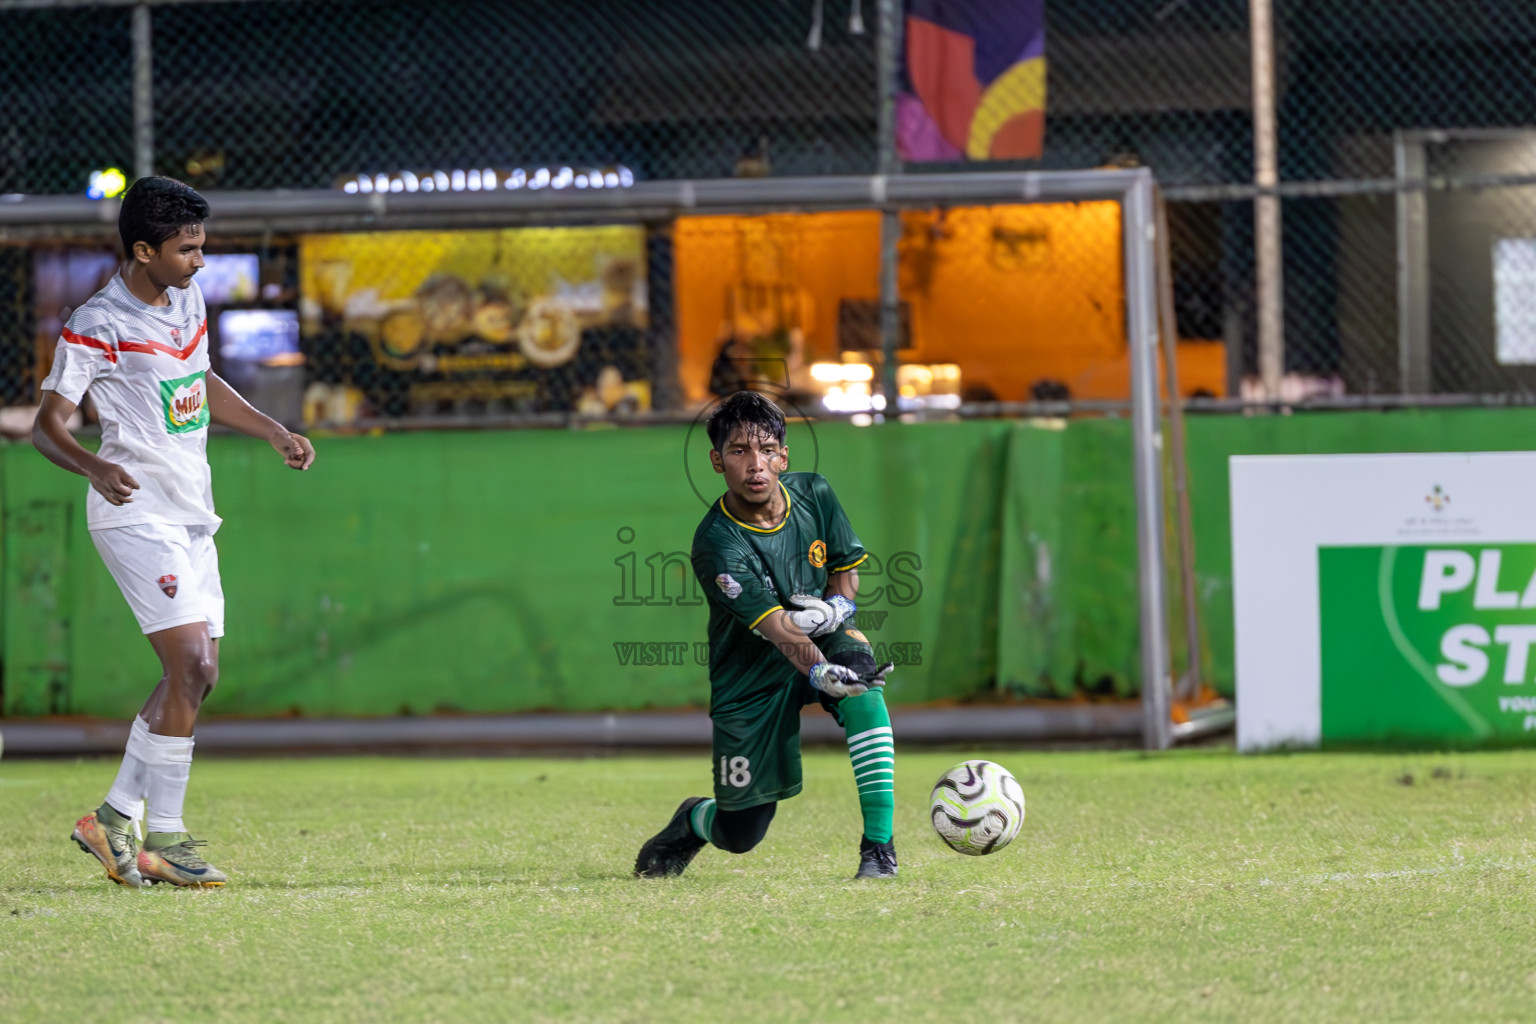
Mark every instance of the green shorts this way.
pixel 756 749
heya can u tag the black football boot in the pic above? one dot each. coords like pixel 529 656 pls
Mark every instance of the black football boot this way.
pixel 669 851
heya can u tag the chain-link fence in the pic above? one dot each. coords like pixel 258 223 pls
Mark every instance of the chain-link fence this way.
pixel 1406 138
pixel 1406 153
pixel 290 94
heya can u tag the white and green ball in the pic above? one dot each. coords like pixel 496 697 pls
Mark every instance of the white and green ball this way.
pixel 977 807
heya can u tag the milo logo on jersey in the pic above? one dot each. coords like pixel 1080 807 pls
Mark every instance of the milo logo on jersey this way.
pixel 186 403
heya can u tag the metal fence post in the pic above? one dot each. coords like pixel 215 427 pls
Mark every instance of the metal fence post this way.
pixel 143 94
pixel 1266 209
pixel 1412 203
pixel 888 55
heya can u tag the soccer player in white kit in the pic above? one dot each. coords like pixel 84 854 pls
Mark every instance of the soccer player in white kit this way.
pixel 140 347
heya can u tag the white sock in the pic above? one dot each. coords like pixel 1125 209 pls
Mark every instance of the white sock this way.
pixel 170 765
pixel 131 785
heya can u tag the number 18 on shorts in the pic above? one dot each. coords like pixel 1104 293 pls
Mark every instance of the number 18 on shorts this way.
pixel 757 756
pixel 735 772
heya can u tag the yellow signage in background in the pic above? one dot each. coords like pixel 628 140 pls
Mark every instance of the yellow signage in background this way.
pixel 536 319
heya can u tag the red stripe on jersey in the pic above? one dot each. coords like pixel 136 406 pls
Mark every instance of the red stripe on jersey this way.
pixel 151 347
pixel 89 342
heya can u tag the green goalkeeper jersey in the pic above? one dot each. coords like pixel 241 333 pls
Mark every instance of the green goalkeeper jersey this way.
pixel 749 571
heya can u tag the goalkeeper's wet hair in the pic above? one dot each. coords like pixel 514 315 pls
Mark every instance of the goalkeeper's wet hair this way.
pixel 747 410
pixel 156 209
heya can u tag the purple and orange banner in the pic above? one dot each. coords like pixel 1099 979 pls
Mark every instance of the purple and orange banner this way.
pixel 976 74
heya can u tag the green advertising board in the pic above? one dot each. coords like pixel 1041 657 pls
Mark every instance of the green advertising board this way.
pixel 1428 643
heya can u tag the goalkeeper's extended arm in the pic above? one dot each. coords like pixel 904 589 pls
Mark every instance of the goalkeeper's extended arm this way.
pixel 842 589
pixel 780 630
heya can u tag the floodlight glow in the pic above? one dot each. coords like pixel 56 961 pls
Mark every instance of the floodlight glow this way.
pixel 827 373
pixel 106 184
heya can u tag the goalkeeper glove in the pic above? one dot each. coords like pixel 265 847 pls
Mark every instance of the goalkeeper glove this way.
pixel 841 681
pixel 817 617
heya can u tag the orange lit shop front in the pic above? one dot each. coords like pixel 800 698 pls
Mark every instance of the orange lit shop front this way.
pixel 1026 301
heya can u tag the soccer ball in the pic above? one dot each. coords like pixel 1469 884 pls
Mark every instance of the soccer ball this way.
pixel 977 807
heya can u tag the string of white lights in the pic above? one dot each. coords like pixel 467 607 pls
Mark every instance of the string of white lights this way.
pixel 489 178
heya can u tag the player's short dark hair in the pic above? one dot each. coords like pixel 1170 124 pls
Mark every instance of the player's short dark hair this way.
pixel 155 209
pixel 748 409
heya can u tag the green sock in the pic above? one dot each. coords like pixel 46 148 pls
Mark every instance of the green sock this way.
pixel 112 818
pixel 702 818
pixel 873 752
pixel 160 840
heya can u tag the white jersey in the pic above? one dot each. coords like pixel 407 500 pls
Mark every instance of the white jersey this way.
pixel 146 368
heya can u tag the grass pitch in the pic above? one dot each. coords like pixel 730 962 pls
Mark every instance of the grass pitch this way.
pixel 1189 886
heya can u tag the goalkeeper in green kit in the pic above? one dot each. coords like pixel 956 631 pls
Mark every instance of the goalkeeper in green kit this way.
pixel 779 562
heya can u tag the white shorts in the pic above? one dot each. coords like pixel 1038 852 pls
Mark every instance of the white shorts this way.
pixel 169 574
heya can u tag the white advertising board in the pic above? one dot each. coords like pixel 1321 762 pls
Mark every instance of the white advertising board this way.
pixel 1384 598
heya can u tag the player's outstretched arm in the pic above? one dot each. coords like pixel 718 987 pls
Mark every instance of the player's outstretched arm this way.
pixel 843 584
pixel 228 409
pixel 834 680
pixel 51 436
pixel 792 641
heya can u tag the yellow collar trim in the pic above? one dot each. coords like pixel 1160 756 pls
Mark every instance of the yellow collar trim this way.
pixel 788 504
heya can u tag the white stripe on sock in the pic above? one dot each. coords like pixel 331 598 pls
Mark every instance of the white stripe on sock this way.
pixel 875 771
pixel 881 729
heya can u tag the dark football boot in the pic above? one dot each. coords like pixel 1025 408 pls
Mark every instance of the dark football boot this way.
pixel 876 860
pixel 669 852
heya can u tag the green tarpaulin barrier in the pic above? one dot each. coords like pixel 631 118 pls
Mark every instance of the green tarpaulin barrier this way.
pixel 508 571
